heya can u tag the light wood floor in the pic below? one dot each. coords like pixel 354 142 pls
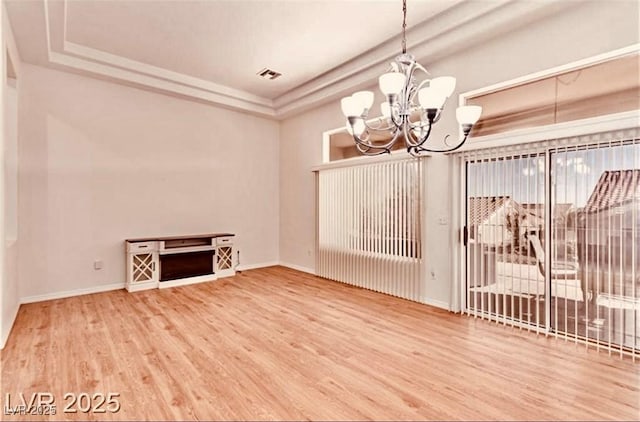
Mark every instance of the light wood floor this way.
pixel 279 344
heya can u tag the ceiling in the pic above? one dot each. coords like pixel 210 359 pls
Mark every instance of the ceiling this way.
pixel 230 41
pixel 211 50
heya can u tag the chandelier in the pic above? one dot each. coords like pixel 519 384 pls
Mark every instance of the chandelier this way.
pixel 403 116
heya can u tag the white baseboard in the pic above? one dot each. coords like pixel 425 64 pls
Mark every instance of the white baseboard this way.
pixel 71 293
pixel 118 286
pixel 5 334
pixel 255 266
pixel 298 268
pixel 437 303
pixel 115 286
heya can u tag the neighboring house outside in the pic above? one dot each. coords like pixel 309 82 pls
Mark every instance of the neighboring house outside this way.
pixel 491 218
pixel 494 220
pixel 609 229
pixel 563 215
pixel 496 228
pixel 613 207
pixel 503 260
pixel 487 230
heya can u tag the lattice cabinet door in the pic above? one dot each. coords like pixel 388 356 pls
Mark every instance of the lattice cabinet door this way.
pixel 143 268
pixel 224 258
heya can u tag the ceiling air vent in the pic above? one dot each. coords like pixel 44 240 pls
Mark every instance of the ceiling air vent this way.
pixel 268 73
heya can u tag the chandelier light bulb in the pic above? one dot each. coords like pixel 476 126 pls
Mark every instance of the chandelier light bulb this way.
pixel 468 115
pixel 392 83
pixel 351 106
pixel 430 98
pixel 445 85
pixel 364 98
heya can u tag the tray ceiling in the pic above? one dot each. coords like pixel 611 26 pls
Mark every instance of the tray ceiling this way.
pixel 211 50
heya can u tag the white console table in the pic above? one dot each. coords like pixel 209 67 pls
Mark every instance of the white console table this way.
pixel 159 262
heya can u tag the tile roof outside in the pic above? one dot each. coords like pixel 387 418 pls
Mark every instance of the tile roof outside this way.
pixel 614 188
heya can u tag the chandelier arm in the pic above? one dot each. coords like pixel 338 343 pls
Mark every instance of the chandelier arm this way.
pixel 414 141
pixel 422 68
pixel 389 127
pixel 366 148
pixel 361 140
pixel 371 151
pixel 396 120
pixel 421 124
pixel 418 88
pixel 414 151
pixel 423 149
pixel 386 147
pixel 409 88
pixel 446 140
pixel 365 140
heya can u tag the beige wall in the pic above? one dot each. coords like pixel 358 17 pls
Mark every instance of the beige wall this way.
pixel 583 30
pixel 9 291
pixel 101 162
pixel 10 296
pixel 300 150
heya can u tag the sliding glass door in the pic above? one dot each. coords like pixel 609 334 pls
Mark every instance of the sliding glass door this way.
pixel 552 241
pixel 505 213
pixel 596 242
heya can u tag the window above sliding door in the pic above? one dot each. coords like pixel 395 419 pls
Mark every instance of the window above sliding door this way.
pixel 596 94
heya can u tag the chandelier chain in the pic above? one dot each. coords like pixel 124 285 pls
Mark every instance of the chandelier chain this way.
pixel 404 26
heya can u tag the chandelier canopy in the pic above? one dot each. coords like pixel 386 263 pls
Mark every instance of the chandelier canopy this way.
pixel 411 108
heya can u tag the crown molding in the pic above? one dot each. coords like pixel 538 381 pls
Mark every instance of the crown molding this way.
pixel 124 63
pixel 463 25
pixel 71 56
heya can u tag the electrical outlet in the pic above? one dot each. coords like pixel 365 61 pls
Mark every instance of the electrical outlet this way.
pixel 97 264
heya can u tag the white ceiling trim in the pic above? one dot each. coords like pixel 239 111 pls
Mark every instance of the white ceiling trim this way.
pixel 158 84
pixel 465 24
pixel 85 59
pixel 161 73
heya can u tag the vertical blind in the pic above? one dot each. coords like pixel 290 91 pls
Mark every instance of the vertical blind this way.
pixel 552 242
pixel 369 226
pixel 505 227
